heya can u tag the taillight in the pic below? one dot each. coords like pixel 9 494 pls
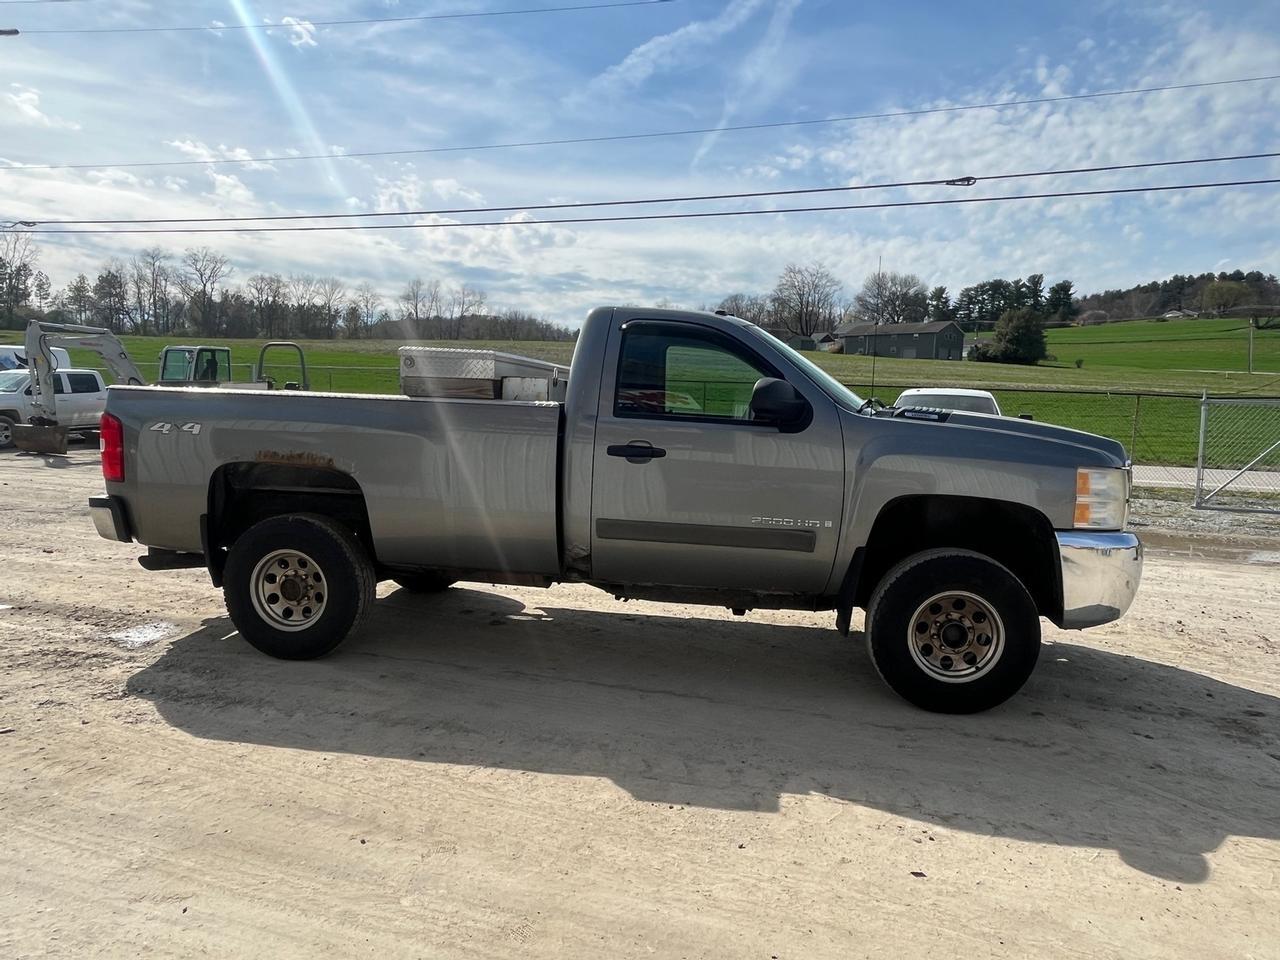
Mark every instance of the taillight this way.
pixel 111 434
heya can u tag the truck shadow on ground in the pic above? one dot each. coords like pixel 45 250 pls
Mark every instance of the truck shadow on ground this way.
pixel 1099 750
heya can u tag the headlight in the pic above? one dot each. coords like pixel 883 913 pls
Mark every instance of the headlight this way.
pixel 1102 499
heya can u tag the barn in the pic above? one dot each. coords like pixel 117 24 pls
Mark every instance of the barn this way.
pixel 936 340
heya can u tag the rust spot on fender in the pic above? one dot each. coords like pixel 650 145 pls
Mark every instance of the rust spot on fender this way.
pixel 299 458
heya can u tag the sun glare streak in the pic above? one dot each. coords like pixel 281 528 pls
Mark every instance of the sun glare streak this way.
pixel 286 93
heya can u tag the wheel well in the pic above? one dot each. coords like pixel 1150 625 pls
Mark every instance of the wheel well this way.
pixel 242 494
pixel 1017 536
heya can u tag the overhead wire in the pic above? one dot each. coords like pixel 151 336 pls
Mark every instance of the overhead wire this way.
pixel 649 135
pixel 962 181
pixel 628 218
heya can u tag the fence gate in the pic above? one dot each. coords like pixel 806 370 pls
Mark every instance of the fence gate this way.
pixel 1238 465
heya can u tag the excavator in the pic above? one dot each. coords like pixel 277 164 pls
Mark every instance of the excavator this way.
pixel 180 366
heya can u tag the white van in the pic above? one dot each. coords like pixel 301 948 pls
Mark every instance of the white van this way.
pixel 14 358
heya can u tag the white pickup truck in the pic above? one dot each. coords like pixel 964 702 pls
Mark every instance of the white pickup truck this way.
pixel 82 396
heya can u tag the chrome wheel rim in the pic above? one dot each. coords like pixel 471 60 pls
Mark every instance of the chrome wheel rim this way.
pixel 956 636
pixel 6 433
pixel 289 590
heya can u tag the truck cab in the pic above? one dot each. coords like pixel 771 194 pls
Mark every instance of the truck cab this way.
pixel 195 365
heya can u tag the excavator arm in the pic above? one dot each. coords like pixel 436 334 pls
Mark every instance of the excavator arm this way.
pixel 43 435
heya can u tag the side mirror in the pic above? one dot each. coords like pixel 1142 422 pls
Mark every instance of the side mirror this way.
pixel 778 402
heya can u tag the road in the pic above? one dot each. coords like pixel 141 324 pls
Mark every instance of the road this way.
pixel 504 772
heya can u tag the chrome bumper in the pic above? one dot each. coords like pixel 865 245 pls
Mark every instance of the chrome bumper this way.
pixel 1100 576
pixel 110 519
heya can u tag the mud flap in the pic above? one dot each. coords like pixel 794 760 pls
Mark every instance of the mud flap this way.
pixel 40 439
pixel 848 590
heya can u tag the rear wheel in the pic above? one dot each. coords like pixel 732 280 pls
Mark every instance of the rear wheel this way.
pixel 297 585
pixel 953 631
pixel 6 433
pixel 423 582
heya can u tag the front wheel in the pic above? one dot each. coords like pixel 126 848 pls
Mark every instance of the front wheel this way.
pixel 297 585
pixel 953 631
pixel 6 433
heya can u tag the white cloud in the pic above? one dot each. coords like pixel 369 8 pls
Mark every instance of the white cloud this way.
pixel 230 189
pixel 675 48
pixel 198 150
pixel 302 33
pixel 25 103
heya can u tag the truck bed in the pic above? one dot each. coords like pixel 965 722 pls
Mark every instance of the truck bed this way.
pixel 469 483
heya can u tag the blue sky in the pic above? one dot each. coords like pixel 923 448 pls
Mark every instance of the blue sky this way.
pixel 688 63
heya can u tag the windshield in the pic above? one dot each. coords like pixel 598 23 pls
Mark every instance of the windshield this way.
pixel 11 381
pixel 949 401
pixel 830 384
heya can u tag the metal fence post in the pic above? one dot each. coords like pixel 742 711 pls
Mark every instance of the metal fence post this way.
pixel 1204 422
pixel 1133 436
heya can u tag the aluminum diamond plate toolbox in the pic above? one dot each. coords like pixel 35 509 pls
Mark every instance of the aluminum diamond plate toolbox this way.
pixel 460 372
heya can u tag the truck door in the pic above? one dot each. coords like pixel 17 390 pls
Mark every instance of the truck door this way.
pixel 687 490
pixel 85 402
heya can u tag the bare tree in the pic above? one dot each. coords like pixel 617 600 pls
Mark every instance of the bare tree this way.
pixel 149 278
pixel 464 301
pixel 805 299
pixel 202 271
pixel 888 297
pixel 331 295
pixel 747 306
pixel 367 302
pixel 303 292
pixel 267 290
pixel 418 304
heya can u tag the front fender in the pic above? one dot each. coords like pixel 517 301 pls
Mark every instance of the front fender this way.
pixel 890 458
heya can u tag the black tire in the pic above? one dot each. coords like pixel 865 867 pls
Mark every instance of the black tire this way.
pixel 423 582
pixel 334 577
pixel 916 649
pixel 6 433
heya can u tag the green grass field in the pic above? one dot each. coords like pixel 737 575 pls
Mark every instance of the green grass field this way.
pixel 1174 357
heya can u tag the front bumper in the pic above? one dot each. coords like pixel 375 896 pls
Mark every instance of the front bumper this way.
pixel 110 518
pixel 1100 576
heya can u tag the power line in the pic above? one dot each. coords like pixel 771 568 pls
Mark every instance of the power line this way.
pixel 353 22
pixel 661 216
pixel 966 181
pixel 653 135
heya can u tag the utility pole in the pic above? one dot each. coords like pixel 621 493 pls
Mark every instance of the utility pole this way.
pixel 1253 324
pixel 875 328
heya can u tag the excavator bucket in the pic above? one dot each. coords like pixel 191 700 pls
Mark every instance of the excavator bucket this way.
pixel 36 439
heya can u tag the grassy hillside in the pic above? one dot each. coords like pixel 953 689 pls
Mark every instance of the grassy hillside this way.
pixel 1181 345
pixel 1181 356
pixel 1121 358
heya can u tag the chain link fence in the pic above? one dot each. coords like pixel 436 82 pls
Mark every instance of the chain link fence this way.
pixel 1238 460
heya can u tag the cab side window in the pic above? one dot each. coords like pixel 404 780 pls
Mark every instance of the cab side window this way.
pixel 83 382
pixel 675 371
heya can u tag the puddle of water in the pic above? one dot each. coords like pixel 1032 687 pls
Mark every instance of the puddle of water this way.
pixel 141 636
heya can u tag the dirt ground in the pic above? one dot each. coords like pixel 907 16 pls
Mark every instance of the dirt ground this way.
pixel 506 772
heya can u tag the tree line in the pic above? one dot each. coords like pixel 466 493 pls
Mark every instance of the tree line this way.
pixel 1204 294
pixel 158 293
pixel 808 300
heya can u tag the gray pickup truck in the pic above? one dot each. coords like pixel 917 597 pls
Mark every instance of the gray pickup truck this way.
pixel 693 458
